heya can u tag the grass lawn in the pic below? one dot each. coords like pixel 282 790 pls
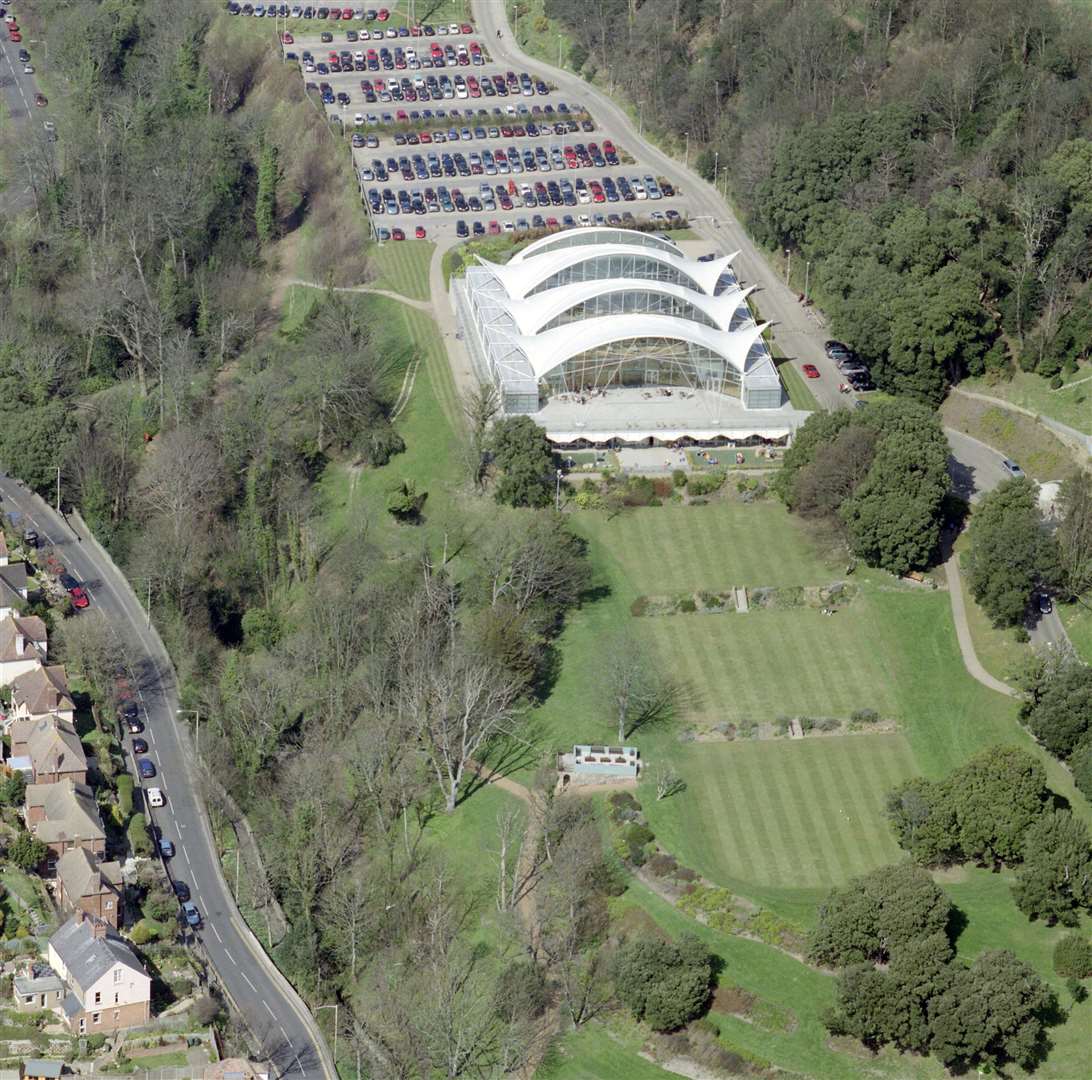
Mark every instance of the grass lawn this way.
pixel 1078 625
pixel 779 979
pixel 600 1050
pixel 1071 403
pixel 796 386
pixel 787 813
pixel 356 499
pixel 1040 453
pixel 1001 654
pixel 403 267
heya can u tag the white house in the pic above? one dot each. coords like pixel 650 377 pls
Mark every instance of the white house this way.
pixel 23 645
pixel 108 988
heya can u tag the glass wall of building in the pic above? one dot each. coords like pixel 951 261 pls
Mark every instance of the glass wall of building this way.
pixel 651 362
pixel 626 301
pixel 600 267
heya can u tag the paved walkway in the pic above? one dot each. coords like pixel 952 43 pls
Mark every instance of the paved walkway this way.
pixel 1080 440
pixel 420 305
pixel 963 631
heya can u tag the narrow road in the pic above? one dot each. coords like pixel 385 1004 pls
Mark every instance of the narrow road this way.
pixel 275 1014
pixel 420 305
pixel 18 90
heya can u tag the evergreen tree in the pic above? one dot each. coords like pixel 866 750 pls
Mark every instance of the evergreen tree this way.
pixel 265 204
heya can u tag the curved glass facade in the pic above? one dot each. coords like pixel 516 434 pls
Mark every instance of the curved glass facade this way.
pixel 627 301
pixel 581 237
pixel 601 267
pixel 646 361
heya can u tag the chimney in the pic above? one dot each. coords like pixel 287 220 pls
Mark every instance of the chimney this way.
pixel 98 928
pixel 20 642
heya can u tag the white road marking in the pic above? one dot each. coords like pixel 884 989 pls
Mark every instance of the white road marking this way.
pixel 229 956
pixel 299 1066
pixel 285 1034
pixel 248 982
pixel 268 1009
pixel 185 854
pixel 217 933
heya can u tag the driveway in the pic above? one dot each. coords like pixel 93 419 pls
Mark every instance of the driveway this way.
pixel 273 1011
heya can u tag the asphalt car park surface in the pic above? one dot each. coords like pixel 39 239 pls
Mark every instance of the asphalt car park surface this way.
pixel 442 173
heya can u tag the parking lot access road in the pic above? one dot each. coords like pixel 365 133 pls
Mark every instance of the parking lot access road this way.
pixel 275 1014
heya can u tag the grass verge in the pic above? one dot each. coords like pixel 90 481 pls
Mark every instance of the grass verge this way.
pixel 1070 404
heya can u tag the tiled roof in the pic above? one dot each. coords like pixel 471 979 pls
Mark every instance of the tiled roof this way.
pixel 86 957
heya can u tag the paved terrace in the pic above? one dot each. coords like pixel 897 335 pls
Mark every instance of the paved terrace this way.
pixel 633 414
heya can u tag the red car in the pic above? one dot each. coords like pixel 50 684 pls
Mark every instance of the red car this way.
pixel 397 234
pixel 466 28
pixel 347 13
pixel 811 371
pixel 383 14
pixel 335 13
pixel 419 232
pixel 415 31
pixel 80 599
pixel 14 35
pixel 287 38
pixel 40 101
pixel 494 228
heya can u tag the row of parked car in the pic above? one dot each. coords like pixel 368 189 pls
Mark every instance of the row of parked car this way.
pixel 129 718
pixel 438 56
pixel 854 370
pixel 502 161
pixel 538 222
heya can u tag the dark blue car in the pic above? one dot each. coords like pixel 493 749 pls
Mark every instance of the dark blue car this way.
pixel 146 768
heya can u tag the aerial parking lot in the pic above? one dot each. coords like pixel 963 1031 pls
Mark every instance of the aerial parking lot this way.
pixel 446 142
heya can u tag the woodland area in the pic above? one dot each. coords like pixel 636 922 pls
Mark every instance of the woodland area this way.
pixel 931 159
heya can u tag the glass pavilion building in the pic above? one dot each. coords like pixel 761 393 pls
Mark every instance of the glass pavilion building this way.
pixel 578 315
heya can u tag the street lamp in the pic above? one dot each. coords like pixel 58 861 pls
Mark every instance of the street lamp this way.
pixel 686 159
pixel 559 50
pixel 807 278
pixel 788 265
pixel 640 118
pixel 318 1009
pixel 197 728
pixel 557 495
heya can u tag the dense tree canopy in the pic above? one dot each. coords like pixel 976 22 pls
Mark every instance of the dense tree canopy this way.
pixel 929 161
pixel 662 982
pixel 875 915
pixel 1058 708
pixel 524 457
pixel 1055 882
pixel 880 473
pixel 980 811
pixel 1011 552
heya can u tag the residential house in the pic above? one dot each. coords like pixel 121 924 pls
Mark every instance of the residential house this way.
pixel 41 693
pixel 49 750
pixel 13 587
pixel 37 986
pixel 64 817
pixel 108 988
pixel 85 884
pixel 23 643
pixel 41 1069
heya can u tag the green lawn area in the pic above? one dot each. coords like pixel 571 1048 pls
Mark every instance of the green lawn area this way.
pixel 796 386
pixel 353 498
pixel 1071 404
pixel 1032 446
pixel 785 813
pixel 997 648
pixel 1077 619
pixel 403 267
pixel 600 1051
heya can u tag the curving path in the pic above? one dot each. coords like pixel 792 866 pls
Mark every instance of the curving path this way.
pixel 963 631
pixel 420 305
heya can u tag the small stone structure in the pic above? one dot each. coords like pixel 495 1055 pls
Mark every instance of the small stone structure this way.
pixel 589 764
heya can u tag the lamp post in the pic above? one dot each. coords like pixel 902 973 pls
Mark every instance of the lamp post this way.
pixel 334 1006
pixel 559 50
pixel 788 265
pixel 58 468
pixel 807 277
pixel 197 727
pixel 686 158
pixel 557 493
pixel 640 118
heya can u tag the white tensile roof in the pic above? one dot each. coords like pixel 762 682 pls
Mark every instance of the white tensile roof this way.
pixel 519 278
pixel 547 350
